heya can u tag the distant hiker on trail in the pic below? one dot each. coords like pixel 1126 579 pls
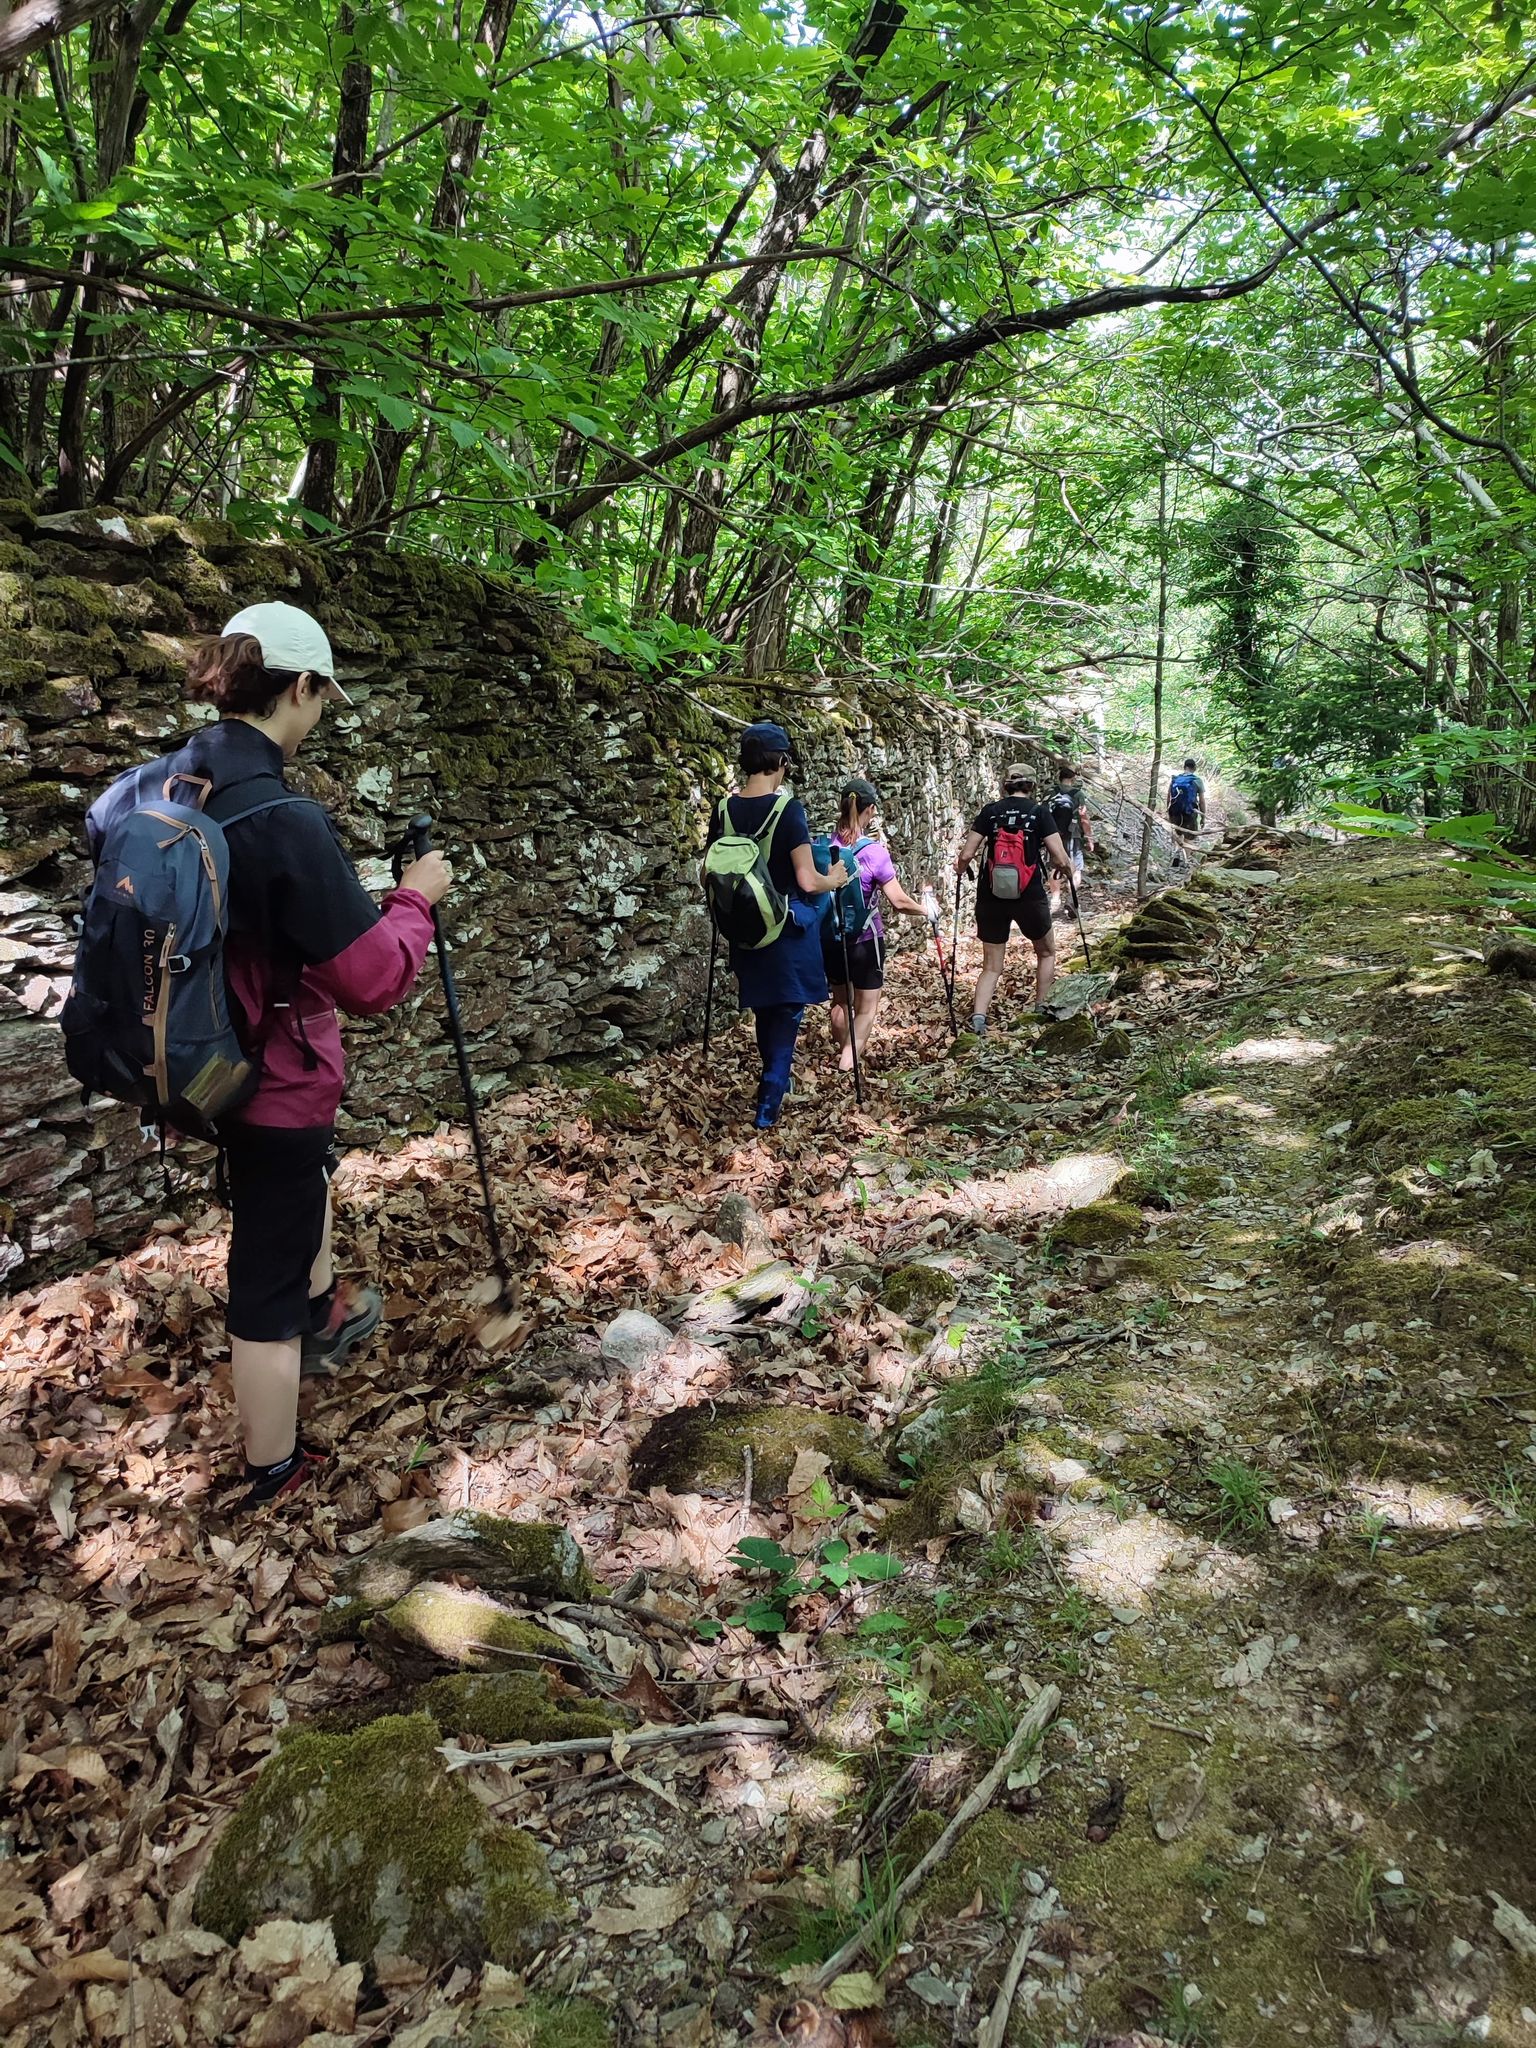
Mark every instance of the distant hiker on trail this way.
pixel 1015 830
pixel 1074 828
pixel 759 878
pixel 856 823
pixel 304 940
pixel 1186 805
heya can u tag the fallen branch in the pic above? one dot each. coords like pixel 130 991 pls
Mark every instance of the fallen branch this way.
pixel 1040 1712
pixel 593 1745
pixel 993 2031
pixel 1279 988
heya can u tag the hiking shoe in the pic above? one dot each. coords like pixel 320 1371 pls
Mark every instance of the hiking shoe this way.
pixel 978 1027
pixel 267 1483
pixel 354 1316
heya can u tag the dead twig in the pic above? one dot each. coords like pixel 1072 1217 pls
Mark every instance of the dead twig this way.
pixel 597 1605
pixel 1036 1719
pixel 1190 1734
pixel 619 1743
pixel 993 2031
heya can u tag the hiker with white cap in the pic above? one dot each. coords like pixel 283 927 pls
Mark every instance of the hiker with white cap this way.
pixel 305 940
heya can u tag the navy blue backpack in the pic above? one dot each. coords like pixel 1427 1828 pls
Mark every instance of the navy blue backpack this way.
pixel 847 910
pixel 147 1018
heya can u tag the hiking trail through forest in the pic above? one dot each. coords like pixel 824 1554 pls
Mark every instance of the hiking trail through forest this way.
pixel 1182 1360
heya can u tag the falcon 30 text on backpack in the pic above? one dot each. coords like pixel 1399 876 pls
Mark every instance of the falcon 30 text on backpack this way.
pixel 747 905
pixel 147 1019
pixel 1010 863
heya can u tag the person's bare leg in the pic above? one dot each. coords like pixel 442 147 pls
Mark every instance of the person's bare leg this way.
pixel 267 1395
pixel 993 960
pixel 837 1017
pixel 1045 968
pixel 866 1007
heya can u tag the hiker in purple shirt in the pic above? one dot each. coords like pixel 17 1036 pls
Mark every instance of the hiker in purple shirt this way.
pixel 856 821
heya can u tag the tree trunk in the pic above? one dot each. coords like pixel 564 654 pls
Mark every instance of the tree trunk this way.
pixel 1159 657
pixel 318 493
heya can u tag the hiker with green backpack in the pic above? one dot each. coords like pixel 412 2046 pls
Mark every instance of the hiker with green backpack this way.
pixel 856 970
pixel 760 879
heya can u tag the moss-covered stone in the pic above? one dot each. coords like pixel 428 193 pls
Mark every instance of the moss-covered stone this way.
pixel 1098 1225
pixel 920 1291
pixel 704 1447
pixel 609 1102
pixel 518 1707
pixel 1071 1034
pixel 1143 1190
pixel 1115 1044
pixel 370 1832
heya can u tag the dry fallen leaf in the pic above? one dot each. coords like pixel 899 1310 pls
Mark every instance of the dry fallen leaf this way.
pixel 651 1909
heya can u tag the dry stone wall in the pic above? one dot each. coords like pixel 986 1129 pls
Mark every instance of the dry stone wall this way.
pixel 571 793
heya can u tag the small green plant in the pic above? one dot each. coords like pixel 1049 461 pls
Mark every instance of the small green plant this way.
pixel 1184 2020
pixel 1243 1496
pixel 1374 1528
pixel 989 1720
pixel 1009 1552
pixel 813 1323
pixel 834 1565
pixel 819 1931
pixel 1076 1612
pixel 1514 1495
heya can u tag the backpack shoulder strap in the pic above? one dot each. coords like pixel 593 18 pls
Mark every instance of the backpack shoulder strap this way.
pixel 765 831
pixel 273 803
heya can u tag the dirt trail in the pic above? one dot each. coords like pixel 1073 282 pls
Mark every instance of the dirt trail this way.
pixel 1189 1367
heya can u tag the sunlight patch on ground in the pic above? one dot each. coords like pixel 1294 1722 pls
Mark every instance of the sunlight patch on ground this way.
pixel 1210 1099
pixel 1121 1562
pixel 1069 1183
pixel 1284 1141
pixel 1286 1051
pixel 1414 1504
pixel 1427 1251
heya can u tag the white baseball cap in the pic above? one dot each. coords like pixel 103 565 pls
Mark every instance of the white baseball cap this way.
pixel 290 639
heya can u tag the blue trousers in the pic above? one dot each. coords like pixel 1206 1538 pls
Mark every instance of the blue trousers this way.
pixel 778 1026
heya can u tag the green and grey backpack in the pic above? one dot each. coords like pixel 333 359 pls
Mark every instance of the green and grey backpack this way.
pixel 747 905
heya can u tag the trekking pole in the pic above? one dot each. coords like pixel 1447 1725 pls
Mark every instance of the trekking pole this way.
pixel 709 990
pixel 1077 913
pixel 954 942
pixel 420 837
pixel 853 1034
pixel 931 912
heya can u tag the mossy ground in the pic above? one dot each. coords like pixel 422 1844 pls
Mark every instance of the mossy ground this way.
pixel 1338 1322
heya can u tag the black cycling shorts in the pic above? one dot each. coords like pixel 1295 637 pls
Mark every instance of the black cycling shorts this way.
pixel 866 962
pixel 277 1182
pixel 1031 912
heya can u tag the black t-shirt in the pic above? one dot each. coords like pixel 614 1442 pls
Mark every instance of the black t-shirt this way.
pixel 1012 814
pixel 1064 808
pixel 748 814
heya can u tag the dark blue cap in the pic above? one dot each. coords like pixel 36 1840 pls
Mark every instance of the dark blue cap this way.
pixel 772 736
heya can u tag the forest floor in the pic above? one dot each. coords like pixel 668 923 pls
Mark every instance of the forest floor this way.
pixel 1184 1363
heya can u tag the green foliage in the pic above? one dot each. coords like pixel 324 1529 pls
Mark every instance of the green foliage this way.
pixel 833 1566
pixel 1243 1496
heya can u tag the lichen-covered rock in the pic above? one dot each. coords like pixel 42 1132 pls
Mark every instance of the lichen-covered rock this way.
pixel 920 1291
pixel 705 1447
pixel 1115 1044
pixel 436 1624
pixel 735 1301
pixel 370 1832
pixel 1098 1225
pixel 535 1558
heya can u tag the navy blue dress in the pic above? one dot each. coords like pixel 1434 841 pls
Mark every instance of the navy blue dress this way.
pixel 790 970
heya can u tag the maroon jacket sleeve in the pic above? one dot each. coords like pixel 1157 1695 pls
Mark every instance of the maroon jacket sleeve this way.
pixel 380 965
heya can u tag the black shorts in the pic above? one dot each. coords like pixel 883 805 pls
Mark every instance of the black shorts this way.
pixel 277 1182
pixel 1031 912
pixel 866 962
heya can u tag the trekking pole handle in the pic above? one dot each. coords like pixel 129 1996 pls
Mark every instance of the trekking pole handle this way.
pixel 419 832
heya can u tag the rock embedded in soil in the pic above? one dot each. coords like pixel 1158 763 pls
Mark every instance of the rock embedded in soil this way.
pixel 739 1223
pixel 705 1448
pixel 521 1706
pixel 370 1832
pixel 1072 1034
pixel 635 1341
pixel 533 1558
